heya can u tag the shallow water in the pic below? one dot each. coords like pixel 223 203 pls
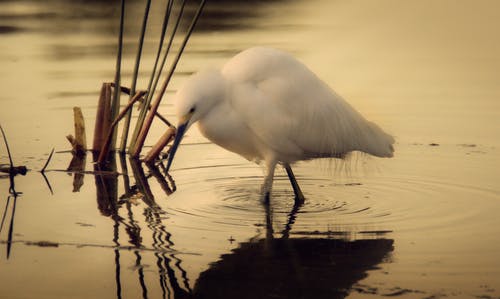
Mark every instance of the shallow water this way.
pixel 423 224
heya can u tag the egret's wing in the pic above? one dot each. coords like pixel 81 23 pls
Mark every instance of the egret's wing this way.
pixel 294 112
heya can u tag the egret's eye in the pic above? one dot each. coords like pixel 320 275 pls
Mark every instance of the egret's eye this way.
pixel 191 110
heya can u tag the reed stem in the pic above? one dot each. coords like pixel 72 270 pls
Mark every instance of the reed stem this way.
pixel 105 147
pixel 7 146
pixel 154 106
pixel 126 124
pixel 115 104
pixel 48 161
pixel 151 88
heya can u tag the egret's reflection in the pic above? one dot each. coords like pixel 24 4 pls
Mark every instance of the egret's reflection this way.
pixel 292 268
pixel 287 267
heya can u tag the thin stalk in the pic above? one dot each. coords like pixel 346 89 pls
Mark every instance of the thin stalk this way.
pixel 11 227
pixel 150 89
pixel 47 182
pixel 7 146
pixel 115 105
pixel 47 163
pixel 154 106
pixel 4 213
pixel 126 125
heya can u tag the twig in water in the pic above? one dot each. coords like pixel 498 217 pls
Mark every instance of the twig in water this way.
pixel 48 160
pixel 4 213
pixel 79 142
pixel 7 146
pixel 47 182
pixel 160 144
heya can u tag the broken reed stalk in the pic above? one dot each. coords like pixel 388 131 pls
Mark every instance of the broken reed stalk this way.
pixel 115 104
pixel 126 125
pixel 79 142
pixel 103 117
pixel 154 106
pixel 162 142
pixel 7 146
pixel 107 142
pixel 153 80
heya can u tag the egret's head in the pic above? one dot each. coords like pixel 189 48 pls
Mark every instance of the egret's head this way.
pixel 194 100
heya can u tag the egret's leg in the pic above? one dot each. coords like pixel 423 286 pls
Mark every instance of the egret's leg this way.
pixel 268 181
pixel 299 197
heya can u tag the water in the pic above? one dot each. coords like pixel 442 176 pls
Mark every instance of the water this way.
pixel 421 225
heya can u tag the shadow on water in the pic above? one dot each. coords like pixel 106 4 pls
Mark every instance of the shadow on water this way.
pixel 263 267
pixel 292 268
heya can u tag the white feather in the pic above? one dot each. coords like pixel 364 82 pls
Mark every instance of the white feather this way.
pixel 265 105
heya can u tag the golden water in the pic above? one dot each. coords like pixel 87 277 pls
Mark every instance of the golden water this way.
pixel 426 71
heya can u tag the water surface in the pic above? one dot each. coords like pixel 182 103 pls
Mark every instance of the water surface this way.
pixel 421 225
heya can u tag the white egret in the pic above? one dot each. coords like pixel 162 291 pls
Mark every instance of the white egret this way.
pixel 265 105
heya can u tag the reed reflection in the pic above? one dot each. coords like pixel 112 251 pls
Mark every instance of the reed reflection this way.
pixel 110 205
pixel 13 195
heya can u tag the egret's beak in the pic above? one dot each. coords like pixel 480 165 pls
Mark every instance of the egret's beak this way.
pixel 181 129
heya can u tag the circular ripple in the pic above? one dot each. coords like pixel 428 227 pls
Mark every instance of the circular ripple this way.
pixel 373 204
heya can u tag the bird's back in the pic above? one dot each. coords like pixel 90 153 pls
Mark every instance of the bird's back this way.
pixel 294 112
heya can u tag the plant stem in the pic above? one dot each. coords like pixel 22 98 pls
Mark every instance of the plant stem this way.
pixel 154 106
pixel 134 77
pixel 150 89
pixel 7 146
pixel 105 147
pixel 47 163
pixel 115 104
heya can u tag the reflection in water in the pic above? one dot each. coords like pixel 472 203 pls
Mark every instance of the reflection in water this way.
pixel 77 166
pixel 269 267
pixel 292 268
pixel 13 194
pixel 109 204
pixel 261 268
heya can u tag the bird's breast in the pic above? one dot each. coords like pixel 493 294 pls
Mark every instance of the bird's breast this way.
pixel 223 127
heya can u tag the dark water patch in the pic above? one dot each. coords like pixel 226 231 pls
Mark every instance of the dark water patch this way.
pixel 467 145
pixel 6 29
pixel 292 268
pixel 42 244
pixel 84 224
